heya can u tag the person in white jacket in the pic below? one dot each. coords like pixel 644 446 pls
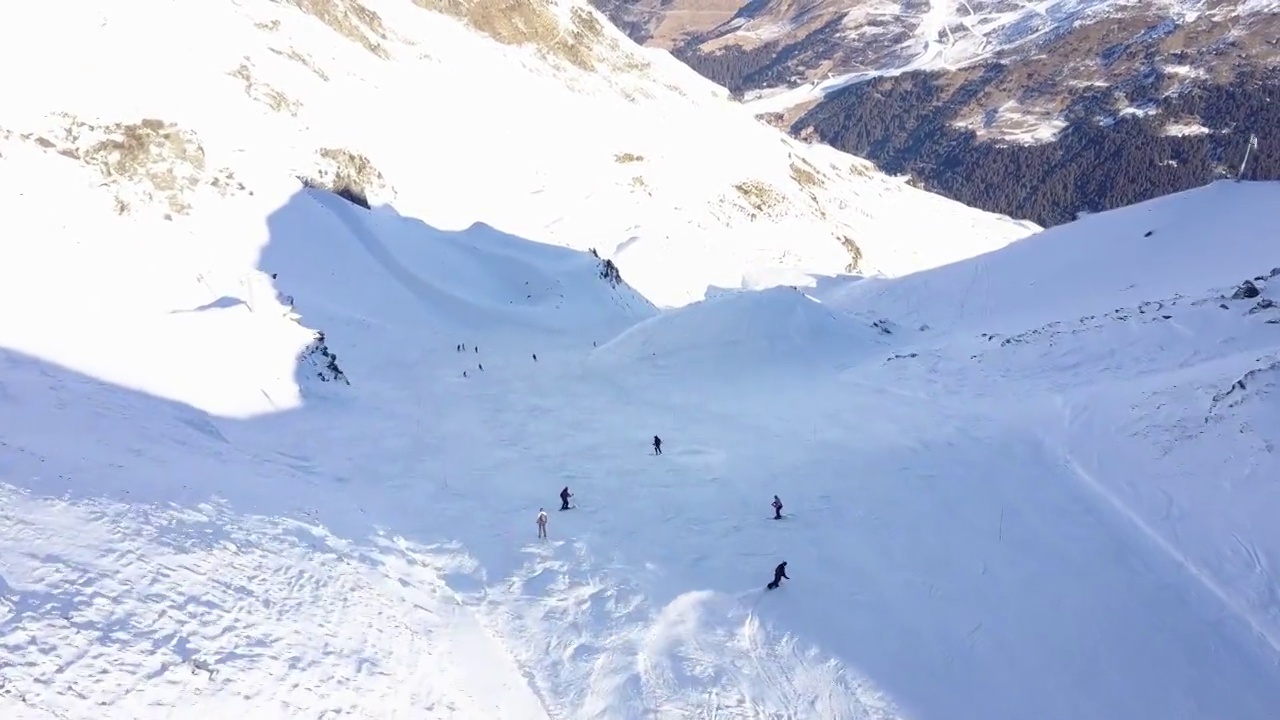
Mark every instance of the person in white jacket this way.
pixel 542 523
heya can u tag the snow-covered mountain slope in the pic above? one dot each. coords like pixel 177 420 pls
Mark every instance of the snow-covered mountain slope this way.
pixel 538 118
pixel 1144 342
pixel 208 510
pixel 1122 258
pixel 280 456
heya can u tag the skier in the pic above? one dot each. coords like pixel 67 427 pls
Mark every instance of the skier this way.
pixel 777 508
pixel 542 523
pixel 564 498
pixel 535 357
pixel 657 445
pixel 778 573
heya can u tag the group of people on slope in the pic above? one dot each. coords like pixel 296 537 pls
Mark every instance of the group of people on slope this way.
pixel 779 572
pixel 542 512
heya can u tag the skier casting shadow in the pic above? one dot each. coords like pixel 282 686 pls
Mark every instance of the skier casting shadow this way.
pixel 657 445
pixel 779 573
pixel 564 498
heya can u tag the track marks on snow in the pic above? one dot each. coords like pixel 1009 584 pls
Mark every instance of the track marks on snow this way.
pixel 598 645
pixel 148 609
pixel 1253 575
pixel 1228 599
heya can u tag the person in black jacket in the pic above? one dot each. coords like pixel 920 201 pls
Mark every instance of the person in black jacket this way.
pixel 779 573
pixel 564 498
pixel 657 445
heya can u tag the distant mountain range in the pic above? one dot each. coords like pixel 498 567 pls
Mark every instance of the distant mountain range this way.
pixel 1038 110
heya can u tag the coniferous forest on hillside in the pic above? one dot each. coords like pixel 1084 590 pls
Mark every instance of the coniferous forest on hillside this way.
pixel 1100 161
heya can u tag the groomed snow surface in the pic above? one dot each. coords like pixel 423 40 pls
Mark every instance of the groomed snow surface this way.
pixel 1040 483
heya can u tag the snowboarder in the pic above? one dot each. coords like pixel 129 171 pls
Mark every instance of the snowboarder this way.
pixel 779 573
pixel 564 498
pixel 657 445
pixel 777 508
pixel 542 523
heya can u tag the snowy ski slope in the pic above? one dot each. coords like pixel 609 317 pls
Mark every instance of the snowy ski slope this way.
pixel 198 519
pixel 1073 519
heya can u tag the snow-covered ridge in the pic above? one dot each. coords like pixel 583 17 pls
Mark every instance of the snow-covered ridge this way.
pixel 1138 253
pixel 540 119
pixel 780 328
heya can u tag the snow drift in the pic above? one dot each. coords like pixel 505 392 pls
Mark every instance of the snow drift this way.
pixel 402 271
pixel 780 329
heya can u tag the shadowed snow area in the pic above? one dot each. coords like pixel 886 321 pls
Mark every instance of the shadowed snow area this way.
pixel 1037 483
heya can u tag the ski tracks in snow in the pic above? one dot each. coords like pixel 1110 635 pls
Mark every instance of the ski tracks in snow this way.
pixel 1247 566
pixel 146 609
pixel 593 645
pixel 607 635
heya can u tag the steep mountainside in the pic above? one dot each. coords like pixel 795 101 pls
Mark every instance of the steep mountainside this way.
pixel 538 118
pixel 964 95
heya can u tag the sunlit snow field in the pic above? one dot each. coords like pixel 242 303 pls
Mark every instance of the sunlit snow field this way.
pixel 1022 478
pixel 1059 523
